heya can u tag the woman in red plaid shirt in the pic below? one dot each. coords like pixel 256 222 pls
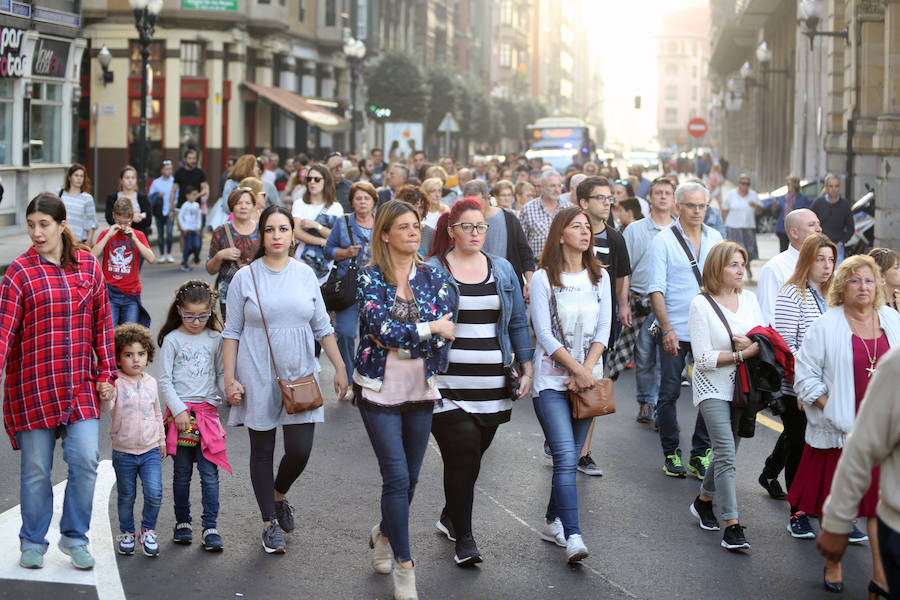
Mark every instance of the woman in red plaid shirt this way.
pixel 56 343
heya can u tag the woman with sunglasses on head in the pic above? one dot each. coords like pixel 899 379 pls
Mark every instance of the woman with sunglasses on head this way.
pixel 491 334
pixel 314 217
pixel 405 312
pixel 293 316
pixel 235 243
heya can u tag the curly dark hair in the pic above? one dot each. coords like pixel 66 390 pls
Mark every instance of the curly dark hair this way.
pixel 130 333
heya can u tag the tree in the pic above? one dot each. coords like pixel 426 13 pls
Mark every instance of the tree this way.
pixel 511 119
pixel 442 91
pixel 396 82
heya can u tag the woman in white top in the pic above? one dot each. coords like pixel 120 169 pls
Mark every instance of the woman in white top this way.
pixel 715 368
pixel 432 189
pixel 739 213
pixel 314 217
pixel 81 214
pixel 570 291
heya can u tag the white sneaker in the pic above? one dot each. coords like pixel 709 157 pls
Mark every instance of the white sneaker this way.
pixel 553 532
pixel 575 549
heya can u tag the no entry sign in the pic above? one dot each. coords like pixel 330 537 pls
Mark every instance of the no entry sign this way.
pixel 697 127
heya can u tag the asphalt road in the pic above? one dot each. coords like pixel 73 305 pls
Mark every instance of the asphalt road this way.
pixel 643 541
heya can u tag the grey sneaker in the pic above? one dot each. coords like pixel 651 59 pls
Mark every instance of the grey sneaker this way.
pixel 126 542
pixel 31 559
pixel 587 466
pixel 284 512
pixel 272 540
pixel 149 545
pixel 81 557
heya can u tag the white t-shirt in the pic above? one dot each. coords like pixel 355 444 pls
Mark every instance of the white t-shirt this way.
pixel 741 214
pixel 431 218
pixel 302 210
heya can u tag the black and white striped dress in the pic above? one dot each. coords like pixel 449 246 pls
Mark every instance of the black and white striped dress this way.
pixel 474 383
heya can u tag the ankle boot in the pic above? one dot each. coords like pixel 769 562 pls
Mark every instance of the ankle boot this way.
pixel 404 582
pixel 382 557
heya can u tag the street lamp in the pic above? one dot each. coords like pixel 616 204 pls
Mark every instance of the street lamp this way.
pixel 747 75
pixel 764 58
pixel 145 12
pixel 354 51
pixel 104 57
pixel 811 13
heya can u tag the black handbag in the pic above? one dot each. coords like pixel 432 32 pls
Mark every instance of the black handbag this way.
pixel 339 293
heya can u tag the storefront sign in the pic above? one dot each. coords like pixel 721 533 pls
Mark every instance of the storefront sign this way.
pixel 17 9
pixel 50 57
pixel 230 5
pixel 12 64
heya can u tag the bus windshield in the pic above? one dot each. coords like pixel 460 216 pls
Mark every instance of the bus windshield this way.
pixel 563 138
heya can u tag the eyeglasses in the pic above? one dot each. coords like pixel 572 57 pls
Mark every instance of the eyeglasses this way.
pixel 692 206
pixel 603 199
pixel 194 318
pixel 480 228
pixel 315 179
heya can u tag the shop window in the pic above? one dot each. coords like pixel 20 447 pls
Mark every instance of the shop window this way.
pixel 46 122
pixel 505 56
pixel 192 108
pixel 506 12
pixel 6 113
pixel 156 60
pixel 191 59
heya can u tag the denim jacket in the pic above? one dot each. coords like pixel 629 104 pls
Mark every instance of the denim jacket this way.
pixel 339 238
pixel 512 329
pixel 375 299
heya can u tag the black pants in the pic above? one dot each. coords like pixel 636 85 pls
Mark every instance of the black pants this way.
pixel 789 447
pixel 889 548
pixel 783 241
pixel 462 442
pixel 298 441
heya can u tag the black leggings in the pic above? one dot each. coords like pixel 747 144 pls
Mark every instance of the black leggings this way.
pixel 298 441
pixel 462 442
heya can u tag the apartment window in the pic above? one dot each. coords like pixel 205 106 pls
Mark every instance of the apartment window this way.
pixel 6 113
pixel 330 13
pixel 506 12
pixel 565 88
pixel 46 122
pixel 671 92
pixel 155 60
pixel 191 59
pixel 672 69
pixel 505 56
pixel 671 116
pixel 673 47
pixel 566 62
pixel 694 93
pixel 301 11
pixel 694 71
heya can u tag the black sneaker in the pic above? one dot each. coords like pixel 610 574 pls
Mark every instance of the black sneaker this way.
pixel 466 551
pixel 272 540
pixel 285 515
pixel 704 513
pixel 800 527
pixel 212 541
pixel 699 464
pixel 587 466
pixel 182 533
pixel 773 487
pixel 857 536
pixel 673 466
pixel 445 526
pixel 734 539
pixel 645 412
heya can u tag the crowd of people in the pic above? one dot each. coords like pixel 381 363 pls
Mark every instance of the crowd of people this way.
pixel 475 287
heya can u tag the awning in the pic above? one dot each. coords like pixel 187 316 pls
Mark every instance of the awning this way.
pixel 300 106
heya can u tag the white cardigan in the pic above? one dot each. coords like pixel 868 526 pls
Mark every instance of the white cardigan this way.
pixel 825 366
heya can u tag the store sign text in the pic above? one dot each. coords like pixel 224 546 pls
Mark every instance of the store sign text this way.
pixel 50 58
pixel 12 64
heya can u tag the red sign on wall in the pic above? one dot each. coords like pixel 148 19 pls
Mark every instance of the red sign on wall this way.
pixel 697 127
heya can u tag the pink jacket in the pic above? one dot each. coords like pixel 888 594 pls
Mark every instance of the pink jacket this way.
pixel 137 425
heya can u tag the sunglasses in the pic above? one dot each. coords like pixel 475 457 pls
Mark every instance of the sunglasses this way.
pixel 315 179
pixel 333 154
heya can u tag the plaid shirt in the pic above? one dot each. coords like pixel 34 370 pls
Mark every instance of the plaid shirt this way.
pixel 56 341
pixel 536 223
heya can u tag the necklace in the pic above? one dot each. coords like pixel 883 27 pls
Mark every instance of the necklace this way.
pixel 869 356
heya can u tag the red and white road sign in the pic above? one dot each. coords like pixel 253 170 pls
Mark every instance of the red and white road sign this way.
pixel 697 127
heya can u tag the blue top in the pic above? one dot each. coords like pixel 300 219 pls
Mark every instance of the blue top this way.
pixel 512 328
pixel 339 238
pixel 671 273
pixel 375 299
pixel 164 187
pixel 713 218
pixel 800 201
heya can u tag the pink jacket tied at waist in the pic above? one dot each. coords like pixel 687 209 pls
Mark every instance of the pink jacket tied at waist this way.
pixel 212 434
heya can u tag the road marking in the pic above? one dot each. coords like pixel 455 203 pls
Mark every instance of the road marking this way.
pixel 537 533
pixel 57 566
pixel 773 425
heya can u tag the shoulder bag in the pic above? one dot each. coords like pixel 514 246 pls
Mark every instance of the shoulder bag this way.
pixel 595 401
pixel 339 293
pixel 690 255
pixel 297 395
pixel 739 397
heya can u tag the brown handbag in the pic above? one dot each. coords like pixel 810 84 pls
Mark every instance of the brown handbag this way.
pixel 595 401
pixel 297 395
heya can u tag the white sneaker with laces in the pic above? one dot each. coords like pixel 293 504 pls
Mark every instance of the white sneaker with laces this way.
pixel 553 532
pixel 575 548
pixel 149 545
pixel 126 543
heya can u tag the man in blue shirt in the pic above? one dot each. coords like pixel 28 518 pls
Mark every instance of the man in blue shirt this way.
pixel 162 201
pixel 673 284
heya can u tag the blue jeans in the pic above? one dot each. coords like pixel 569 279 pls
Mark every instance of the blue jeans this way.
pixel 399 440
pixel 164 231
pixel 125 308
pixel 191 245
pixel 566 437
pixel 147 466
pixel 646 351
pixel 346 324
pixel 670 368
pixel 79 442
pixel 181 486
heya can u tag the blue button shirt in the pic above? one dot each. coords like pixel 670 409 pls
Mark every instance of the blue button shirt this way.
pixel 671 274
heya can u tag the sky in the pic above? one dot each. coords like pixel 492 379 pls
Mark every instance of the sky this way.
pixel 627 51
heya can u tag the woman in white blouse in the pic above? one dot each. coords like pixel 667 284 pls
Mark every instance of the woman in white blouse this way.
pixel 715 366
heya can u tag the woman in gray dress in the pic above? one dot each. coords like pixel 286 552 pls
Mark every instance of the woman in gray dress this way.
pixel 296 318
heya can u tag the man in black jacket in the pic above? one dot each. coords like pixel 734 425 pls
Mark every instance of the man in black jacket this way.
pixel 834 214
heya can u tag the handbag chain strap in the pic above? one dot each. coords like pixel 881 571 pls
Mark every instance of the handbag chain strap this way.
pixel 265 326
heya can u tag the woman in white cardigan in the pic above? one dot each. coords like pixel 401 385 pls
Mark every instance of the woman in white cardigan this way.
pixel 715 366
pixel 838 356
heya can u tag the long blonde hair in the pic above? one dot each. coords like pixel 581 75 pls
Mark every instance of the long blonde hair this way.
pixel 384 218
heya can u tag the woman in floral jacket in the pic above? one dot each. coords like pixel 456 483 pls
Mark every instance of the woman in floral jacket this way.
pixel 405 328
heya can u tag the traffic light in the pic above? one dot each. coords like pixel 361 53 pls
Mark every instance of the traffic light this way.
pixel 637 103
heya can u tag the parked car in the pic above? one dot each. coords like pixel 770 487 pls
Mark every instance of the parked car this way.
pixel 765 220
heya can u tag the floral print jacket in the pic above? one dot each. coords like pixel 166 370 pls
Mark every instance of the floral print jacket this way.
pixel 379 332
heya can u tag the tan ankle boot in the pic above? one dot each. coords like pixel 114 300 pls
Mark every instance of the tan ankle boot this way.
pixel 382 557
pixel 404 582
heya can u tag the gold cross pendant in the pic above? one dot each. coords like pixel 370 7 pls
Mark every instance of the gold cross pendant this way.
pixel 871 371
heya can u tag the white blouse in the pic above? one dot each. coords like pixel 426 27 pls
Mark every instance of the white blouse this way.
pixel 709 338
